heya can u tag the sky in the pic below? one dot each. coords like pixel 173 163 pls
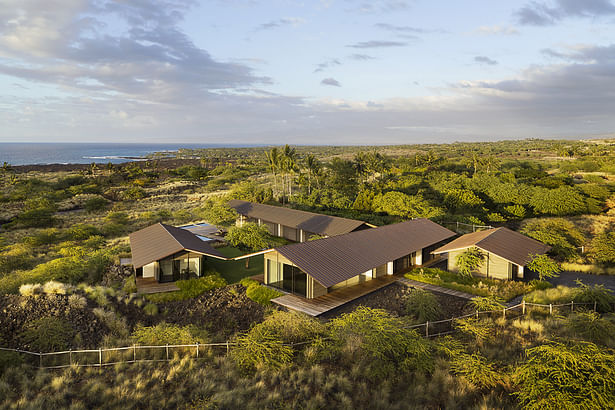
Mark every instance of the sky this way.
pixel 305 72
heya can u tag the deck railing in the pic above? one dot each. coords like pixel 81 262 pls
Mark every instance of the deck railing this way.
pixel 138 353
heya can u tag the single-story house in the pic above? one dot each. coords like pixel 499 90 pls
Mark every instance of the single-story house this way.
pixel 506 252
pixel 315 268
pixel 292 224
pixel 167 253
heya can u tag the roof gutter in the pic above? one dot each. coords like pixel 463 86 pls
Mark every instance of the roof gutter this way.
pixel 249 255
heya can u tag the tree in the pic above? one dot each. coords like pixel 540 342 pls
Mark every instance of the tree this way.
pixel 217 213
pixel 313 166
pixel 470 260
pixel 406 206
pixel 544 266
pixel 273 159
pixel 560 234
pixel 564 200
pixel 249 237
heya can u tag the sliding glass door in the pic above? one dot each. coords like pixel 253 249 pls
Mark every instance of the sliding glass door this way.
pixel 287 277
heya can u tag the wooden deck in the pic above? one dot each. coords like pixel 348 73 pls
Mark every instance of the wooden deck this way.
pixel 333 300
pixel 151 285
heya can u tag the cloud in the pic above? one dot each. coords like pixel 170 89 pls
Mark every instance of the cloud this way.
pixel 485 60
pixel 326 64
pixel 374 6
pixel 286 21
pixel 331 82
pixel 540 14
pixel 361 57
pixel 497 30
pixel 377 44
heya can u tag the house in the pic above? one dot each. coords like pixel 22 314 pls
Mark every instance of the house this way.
pixel 506 252
pixel 292 224
pixel 166 253
pixel 316 268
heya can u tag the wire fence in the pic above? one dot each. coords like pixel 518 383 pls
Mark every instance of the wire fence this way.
pixel 138 353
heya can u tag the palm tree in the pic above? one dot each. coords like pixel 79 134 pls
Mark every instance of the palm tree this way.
pixel 273 157
pixel 313 167
pixel 289 156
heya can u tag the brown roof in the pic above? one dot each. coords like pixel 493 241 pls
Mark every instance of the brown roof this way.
pixel 308 221
pixel 503 242
pixel 159 241
pixel 336 259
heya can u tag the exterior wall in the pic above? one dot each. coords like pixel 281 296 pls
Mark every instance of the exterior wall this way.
pixel 151 270
pixel 494 266
pixel 316 288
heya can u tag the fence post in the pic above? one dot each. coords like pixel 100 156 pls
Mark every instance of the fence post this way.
pixel 476 313
pixel 504 313
pixel 523 307
pixel 197 350
pixel 572 306
pixel 167 348
pixel 227 347
pixel 134 352
pixel 457 225
pixel 70 356
pixel 427 329
pixel 99 357
pixel 594 305
pixel 40 360
pixel 551 309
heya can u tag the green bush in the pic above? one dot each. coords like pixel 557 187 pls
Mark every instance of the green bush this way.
pixel 164 333
pixel 602 248
pixel 261 349
pixel 150 309
pixel 591 327
pixel 130 285
pixel 134 193
pixel 95 204
pixel 47 334
pixel 559 294
pixel 9 359
pixel 189 288
pixel 262 294
pixel 477 370
pixel 380 342
pixel 598 294
pixel 559 376
pixel 423 306
pixel 486 304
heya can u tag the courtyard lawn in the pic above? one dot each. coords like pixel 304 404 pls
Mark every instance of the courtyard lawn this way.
pixel 234 271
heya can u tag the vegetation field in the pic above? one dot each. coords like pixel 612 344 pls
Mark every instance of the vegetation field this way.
pixel 64 230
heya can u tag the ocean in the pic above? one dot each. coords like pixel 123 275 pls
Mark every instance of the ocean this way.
pixel 74 153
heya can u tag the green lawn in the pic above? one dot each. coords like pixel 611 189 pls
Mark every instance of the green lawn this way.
pixel 234 271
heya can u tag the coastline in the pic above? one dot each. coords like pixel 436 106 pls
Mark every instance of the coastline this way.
pixel 162 163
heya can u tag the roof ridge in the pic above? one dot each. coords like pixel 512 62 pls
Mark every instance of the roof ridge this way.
pixel 165 226
pixel 299 210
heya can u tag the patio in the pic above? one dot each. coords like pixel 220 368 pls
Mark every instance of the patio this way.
pixel 151 285
pixel 318 306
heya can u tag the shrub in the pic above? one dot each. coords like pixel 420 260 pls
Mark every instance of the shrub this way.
pixel 9 359
pixel 590 326
pixel 598 294
pixel 486 304
pixel 261 349
pixel 164 333
pixel 481 330
pixel 77 302
pixel 16 256
pixel 95 204
pixel 423 306
pixel 151 309
pixel 130 285
pixel 558 376
pixel 262 294
pixel 381 342
pixel 560 234
pixel 134 193
pixel 189 288
pixel 31 289
pixel 559 294
pixel 55 288
pixel 602 248
pixel 477 370
pixel 116 324
pixel 470 260
pixel 47 334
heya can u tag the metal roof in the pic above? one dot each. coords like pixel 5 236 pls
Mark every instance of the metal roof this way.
pixel 308 221
pixel 503 242
pixel 159 241
pixel 338 258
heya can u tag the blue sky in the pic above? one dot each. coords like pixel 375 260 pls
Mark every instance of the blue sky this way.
pixel 305 72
